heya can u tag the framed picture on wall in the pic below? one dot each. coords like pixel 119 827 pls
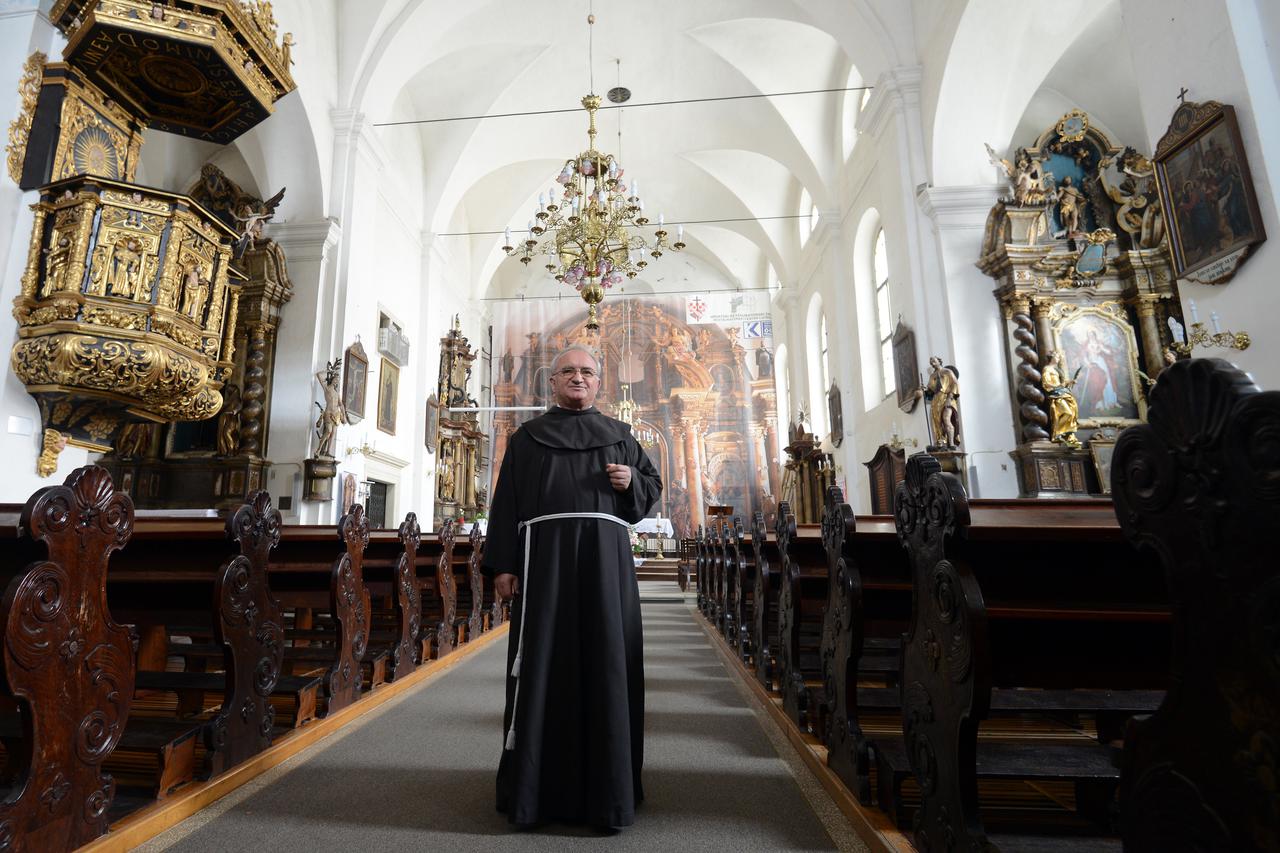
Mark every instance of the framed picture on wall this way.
pixel 1102 452
pixel 1206 193
pixel 355 379
pixel 388 391
pixel 906 368
pixel 432 421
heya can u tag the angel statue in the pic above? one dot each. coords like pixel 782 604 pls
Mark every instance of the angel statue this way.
pixel 332 413
pixel 1024 174
pixel 251 218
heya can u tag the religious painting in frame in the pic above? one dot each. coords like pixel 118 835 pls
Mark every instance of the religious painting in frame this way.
pixel 906 367
pixel 432 421
pixel 388 391
pixel 835 413
pixel 1100 353
pixel 1101 451
pixel 355 379
pixel 1206 193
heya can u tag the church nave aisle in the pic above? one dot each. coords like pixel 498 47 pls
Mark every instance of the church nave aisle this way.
pixel 419 772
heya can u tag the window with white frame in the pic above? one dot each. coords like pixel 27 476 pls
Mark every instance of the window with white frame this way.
pixel 823 358
pixel 884 315
pixel 807 208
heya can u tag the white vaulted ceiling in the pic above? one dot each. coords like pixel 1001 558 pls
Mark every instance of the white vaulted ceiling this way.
pixel 738 159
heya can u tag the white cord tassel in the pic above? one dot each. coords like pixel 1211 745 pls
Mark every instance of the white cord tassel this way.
pixel 524 599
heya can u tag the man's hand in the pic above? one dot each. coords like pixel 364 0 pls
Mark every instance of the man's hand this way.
pixel 506 586
pixel 619 476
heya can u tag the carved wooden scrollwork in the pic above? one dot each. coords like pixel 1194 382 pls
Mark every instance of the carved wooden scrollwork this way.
pixel 743 591
pixel 349 602
pixel 475 620
pixel 764 625
pixel 790 676
pixel 250 629
pixel 446 589
pixel 1201 486
pixel 945 692
pixel 67 663
pixel 407 653
pixel 700 561
pixel 842 631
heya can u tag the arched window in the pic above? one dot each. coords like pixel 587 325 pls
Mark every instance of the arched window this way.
pixel 816 364
pixel 853 103
pixel 824 358
pixel 813 218
pixel 884 315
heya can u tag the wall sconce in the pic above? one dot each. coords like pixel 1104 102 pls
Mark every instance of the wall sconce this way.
pixel 365 449
pixel 897 442
pixel 1199 336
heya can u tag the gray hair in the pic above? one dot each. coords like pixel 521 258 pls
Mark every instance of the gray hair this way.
pixel 575 348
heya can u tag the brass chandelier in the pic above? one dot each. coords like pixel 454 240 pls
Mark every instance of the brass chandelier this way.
pixel 591 237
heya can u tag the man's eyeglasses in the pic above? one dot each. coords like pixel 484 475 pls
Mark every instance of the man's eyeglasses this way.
pixel 570 372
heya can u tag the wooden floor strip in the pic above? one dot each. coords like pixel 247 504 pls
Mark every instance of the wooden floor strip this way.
pixel 872 825
pixel 147 823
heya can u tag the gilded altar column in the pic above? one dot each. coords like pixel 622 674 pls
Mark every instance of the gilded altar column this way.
pixel 253 392
pixel 504 424
pixel 1149 327
pixel 693 468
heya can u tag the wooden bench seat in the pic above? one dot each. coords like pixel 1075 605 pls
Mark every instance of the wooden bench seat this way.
pixel 300 692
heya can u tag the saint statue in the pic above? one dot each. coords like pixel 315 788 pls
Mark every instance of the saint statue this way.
pixel 332 413
pixel 943 396
pixel 55 266
pixel 1064 412
pixel 1070 206
pixel 764 363
pixel 507 363
pixel 229 422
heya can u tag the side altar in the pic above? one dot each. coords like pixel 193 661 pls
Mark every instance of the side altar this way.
pixel 1086 291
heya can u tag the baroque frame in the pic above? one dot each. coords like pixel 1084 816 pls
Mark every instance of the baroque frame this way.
pixel 906 367
pixel 355 382
pixel 1063 314
pixel 388 394
pixel 1209 123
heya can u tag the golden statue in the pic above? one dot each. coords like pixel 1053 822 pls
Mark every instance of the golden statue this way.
pixel 54 443
pixel 943 394
pixel 55 269
pixel 1064 412
pixel 195 290
pixel 125 268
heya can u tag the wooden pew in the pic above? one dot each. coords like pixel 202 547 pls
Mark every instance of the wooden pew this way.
pixel 740 574
pixel 868 609
pixel 349 604
pixel 395 599
pixel 439 591
pixel 1021 608
pixel 802 593
pixel 67 664
pixel 701 571
pixel 467 560
pixel 1198 487
pixel 764 614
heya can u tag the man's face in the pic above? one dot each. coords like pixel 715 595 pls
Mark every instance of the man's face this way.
pixel 574 381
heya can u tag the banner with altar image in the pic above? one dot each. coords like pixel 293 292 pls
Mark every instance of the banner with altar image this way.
pixel 700 394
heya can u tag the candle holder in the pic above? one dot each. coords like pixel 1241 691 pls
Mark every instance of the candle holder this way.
pixel 1198 335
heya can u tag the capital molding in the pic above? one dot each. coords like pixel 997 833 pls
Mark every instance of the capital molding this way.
pixel 353 129
pixel 895 90
pixel 962 207
pixel 306 241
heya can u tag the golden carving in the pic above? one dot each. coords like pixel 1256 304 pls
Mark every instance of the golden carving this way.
pixel 208 68
pixel 101 316
pixel 101 426
pixel 169 383
pixel 54 443
pixel 20 127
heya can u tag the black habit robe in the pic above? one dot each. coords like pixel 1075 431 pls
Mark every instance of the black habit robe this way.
pixel 579 730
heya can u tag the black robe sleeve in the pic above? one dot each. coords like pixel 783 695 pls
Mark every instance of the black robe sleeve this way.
pixel 645 488
pixel 502 539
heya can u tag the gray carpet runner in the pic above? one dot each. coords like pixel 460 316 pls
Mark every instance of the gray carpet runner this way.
pixel 418 773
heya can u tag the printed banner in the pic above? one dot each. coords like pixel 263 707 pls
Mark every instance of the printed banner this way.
pixel 728 308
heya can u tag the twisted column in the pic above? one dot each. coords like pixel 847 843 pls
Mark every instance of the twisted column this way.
pixel 251 410
pixel 1034 418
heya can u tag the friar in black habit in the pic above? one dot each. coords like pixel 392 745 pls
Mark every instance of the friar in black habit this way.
pixel 571 483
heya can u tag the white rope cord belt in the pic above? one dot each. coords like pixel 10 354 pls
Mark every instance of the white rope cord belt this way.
pixel 524 598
